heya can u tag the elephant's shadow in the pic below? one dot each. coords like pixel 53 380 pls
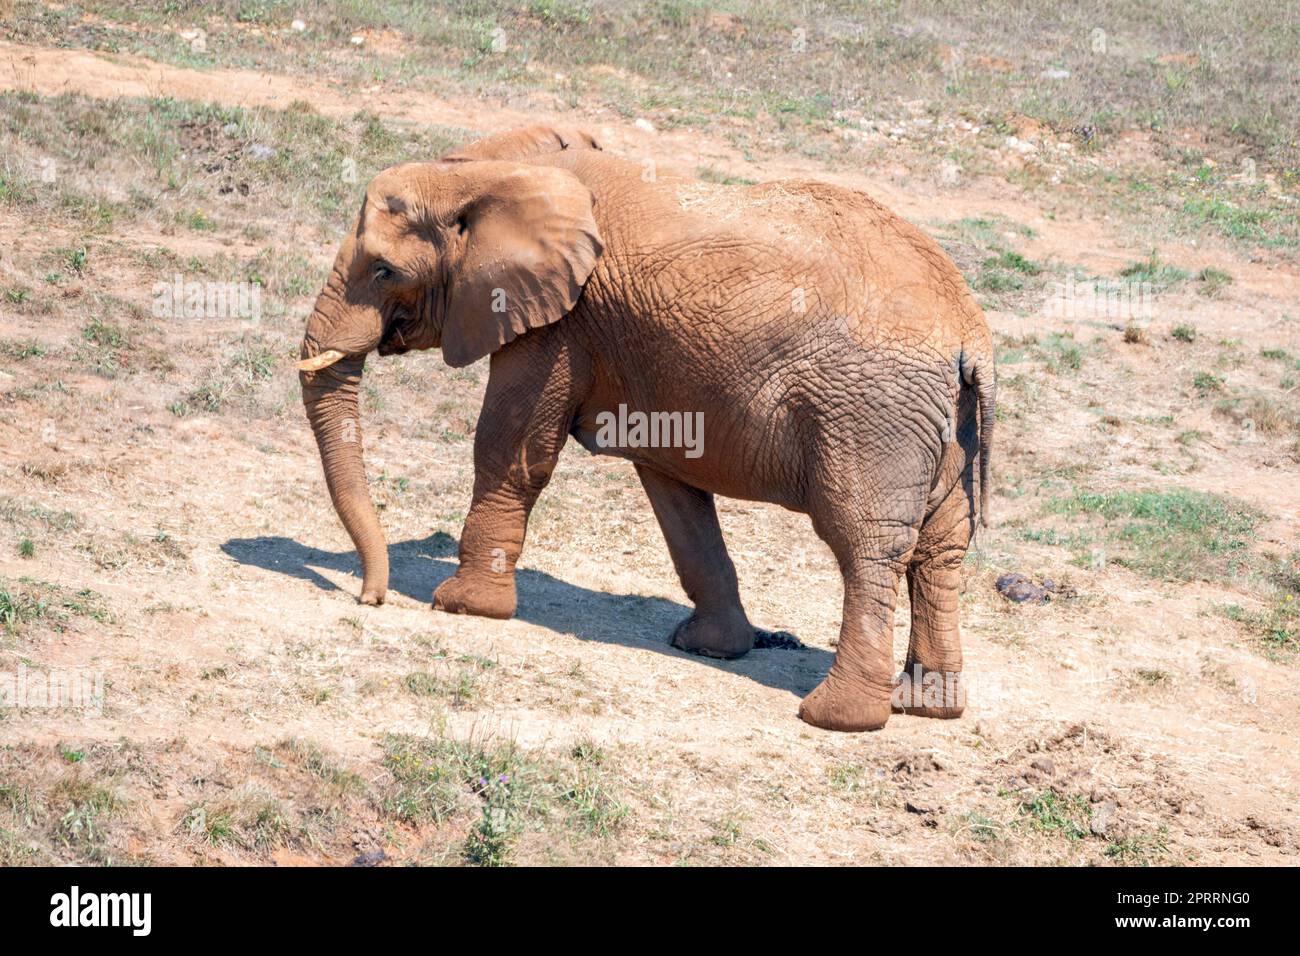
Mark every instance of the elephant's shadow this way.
pixel 418 566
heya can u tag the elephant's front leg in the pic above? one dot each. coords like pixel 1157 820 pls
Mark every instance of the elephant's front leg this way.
pixel 719 627
pixel 521 430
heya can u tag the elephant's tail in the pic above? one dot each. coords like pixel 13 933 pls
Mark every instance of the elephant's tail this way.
pixel 979 373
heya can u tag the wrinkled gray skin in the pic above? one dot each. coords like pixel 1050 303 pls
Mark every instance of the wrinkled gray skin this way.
pixel 841 365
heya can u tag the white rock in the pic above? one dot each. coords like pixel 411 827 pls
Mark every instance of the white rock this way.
pixel 297 26
pixel 644 124
pixel 1055 74
pixel 357 40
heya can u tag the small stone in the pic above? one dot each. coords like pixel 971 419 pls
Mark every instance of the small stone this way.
pixel 357 40
pixel 644 125
pixel 1044 765
pixel 260 151
pixel 298 26
pixel 1103 818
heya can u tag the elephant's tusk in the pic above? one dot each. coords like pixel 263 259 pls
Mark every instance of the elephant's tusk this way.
pixel 318 362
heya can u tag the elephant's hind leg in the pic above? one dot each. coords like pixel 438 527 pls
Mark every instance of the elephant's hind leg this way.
pixel 719 627
pixel 930 684
pixel 872 538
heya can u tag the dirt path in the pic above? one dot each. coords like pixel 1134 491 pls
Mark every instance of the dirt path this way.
pixel 254 635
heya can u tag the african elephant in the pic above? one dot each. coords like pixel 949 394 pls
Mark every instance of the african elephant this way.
pixel 841 367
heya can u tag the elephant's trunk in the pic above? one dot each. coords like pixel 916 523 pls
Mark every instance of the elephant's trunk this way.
pixel 330 397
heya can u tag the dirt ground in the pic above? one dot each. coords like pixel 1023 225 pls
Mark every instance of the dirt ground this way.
pixel 252 711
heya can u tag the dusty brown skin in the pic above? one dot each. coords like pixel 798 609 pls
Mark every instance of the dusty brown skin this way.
pixel 841 364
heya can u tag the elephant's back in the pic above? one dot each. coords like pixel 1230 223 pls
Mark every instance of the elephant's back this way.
pixel 820 251
pixel 736 259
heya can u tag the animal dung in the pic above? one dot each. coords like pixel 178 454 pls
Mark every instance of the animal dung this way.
pixel 1019 588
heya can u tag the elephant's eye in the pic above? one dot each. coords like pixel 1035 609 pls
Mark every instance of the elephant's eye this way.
pixel 383 271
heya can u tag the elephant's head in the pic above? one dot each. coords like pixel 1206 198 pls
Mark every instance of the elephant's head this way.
pixel 462 255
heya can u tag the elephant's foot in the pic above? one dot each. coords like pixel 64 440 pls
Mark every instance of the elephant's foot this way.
pixel 723 634
pixel 921 693
pixel 470 595
pixel 371 596
pixel 838 703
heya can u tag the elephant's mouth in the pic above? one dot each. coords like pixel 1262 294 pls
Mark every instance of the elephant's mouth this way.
pixel 393 341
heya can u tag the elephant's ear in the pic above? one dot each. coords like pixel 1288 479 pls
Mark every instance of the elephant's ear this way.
pixel 522 143
pixel 527 242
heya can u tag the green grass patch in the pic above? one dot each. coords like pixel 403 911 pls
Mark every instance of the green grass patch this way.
pixel 1142 849
pixel 500 791
pixel 1051 812
pixel 1160 275
pixel 250 819
pixel 1276 623
pixel 28 601
pixel 1205 382
pixel 1177 535
pixel 1213 281
pixel 458 689
pixel 82 806
pixel 1015 262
